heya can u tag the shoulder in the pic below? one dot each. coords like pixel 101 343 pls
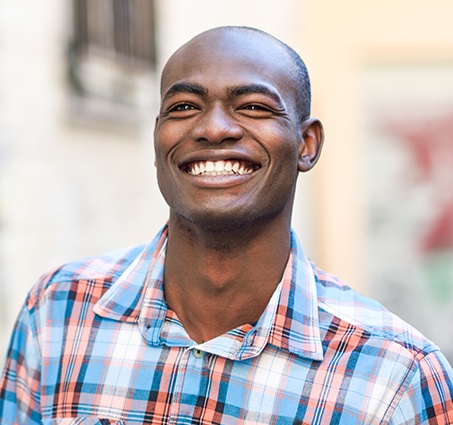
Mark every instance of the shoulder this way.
pixel 337 299
pixel 384 350
pixel 104 270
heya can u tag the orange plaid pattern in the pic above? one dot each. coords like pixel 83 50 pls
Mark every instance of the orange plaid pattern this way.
pixel 96 344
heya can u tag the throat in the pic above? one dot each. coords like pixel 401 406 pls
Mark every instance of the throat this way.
pixel 216 292
pixel 209 315
pixel 218 279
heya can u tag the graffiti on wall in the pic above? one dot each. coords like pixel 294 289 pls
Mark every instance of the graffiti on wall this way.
pixel 408 117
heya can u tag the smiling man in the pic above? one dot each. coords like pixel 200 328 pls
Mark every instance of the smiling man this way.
pixel 229 144
pixel 221 319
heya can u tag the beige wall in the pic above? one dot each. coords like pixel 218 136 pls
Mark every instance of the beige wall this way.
pixel 341 39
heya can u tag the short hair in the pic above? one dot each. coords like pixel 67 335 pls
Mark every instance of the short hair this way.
pixel 302 79
pixel 303 86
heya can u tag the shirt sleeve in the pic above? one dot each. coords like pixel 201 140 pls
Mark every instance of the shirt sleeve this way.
pixel 21 379
pixel 428 399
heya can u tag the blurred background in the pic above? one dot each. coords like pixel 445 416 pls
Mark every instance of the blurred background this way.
pixel 78 100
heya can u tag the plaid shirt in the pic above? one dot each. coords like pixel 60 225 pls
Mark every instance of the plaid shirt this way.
pixel 96 344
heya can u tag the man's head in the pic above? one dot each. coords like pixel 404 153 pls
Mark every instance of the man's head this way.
pixel 297 67
pixel 234 129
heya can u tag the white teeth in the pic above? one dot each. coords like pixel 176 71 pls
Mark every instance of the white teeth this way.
pixel 210 166
pixel 217 168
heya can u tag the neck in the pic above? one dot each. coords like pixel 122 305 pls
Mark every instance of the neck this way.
pixel 217 279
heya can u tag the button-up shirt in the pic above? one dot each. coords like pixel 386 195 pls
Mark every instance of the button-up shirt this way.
pixel 96 343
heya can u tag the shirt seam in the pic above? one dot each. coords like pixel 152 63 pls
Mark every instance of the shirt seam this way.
pixel 385 335
pixel 43 286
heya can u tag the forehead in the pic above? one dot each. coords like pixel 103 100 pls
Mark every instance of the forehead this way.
pixel 225 58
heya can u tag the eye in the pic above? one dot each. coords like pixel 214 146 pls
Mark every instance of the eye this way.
pixel 182 107
pixel 180 110
pixel 255 107
pixel 256 110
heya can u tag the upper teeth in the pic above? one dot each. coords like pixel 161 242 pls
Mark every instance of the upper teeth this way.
pixel 215 168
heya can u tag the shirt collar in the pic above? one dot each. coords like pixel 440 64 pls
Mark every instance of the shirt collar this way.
pixel 289 322
pixel 124 299
pixel 296 323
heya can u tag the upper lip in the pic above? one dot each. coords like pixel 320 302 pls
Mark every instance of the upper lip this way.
pixel 219 155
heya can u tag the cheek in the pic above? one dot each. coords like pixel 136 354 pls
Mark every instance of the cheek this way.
pixel 283 151
pixel 159 162
pixel 284 163
pixel 161 142
pixel 170 143
pixel 164 144
pixel 168 135
pixel 161 155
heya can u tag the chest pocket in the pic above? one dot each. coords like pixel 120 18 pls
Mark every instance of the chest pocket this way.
pixel 82 421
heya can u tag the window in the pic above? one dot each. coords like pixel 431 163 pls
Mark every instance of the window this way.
pixel 111 59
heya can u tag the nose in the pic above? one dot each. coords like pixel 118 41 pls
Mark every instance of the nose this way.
pixel 217 125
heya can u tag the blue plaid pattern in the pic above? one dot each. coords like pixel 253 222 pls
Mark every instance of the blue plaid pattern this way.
pixel 95 343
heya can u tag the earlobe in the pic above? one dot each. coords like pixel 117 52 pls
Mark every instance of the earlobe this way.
pixel 312 133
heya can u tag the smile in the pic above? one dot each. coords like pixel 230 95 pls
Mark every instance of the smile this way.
pixel 220 168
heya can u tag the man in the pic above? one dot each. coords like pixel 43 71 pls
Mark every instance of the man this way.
pixel 221 319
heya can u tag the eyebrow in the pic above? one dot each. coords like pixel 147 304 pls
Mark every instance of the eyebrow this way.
pixel 186 88
pixel 242 90
pixel 256 89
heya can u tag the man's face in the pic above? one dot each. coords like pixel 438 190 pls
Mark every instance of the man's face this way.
pixel 227 137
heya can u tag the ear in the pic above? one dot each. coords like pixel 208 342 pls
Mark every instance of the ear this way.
pixel 310 144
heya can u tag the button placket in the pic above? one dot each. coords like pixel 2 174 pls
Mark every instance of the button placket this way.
pixel 178 387
pixel 192 383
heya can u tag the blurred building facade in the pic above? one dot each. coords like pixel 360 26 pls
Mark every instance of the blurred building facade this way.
pixel 78 100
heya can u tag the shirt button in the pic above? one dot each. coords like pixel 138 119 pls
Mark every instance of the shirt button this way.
pixel 198 353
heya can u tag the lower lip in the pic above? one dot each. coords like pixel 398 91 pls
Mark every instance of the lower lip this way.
pixel 218 182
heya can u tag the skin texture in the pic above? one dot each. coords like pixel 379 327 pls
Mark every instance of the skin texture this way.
pixel 229 94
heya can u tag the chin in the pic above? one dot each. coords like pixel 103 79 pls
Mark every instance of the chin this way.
pixel 231 221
